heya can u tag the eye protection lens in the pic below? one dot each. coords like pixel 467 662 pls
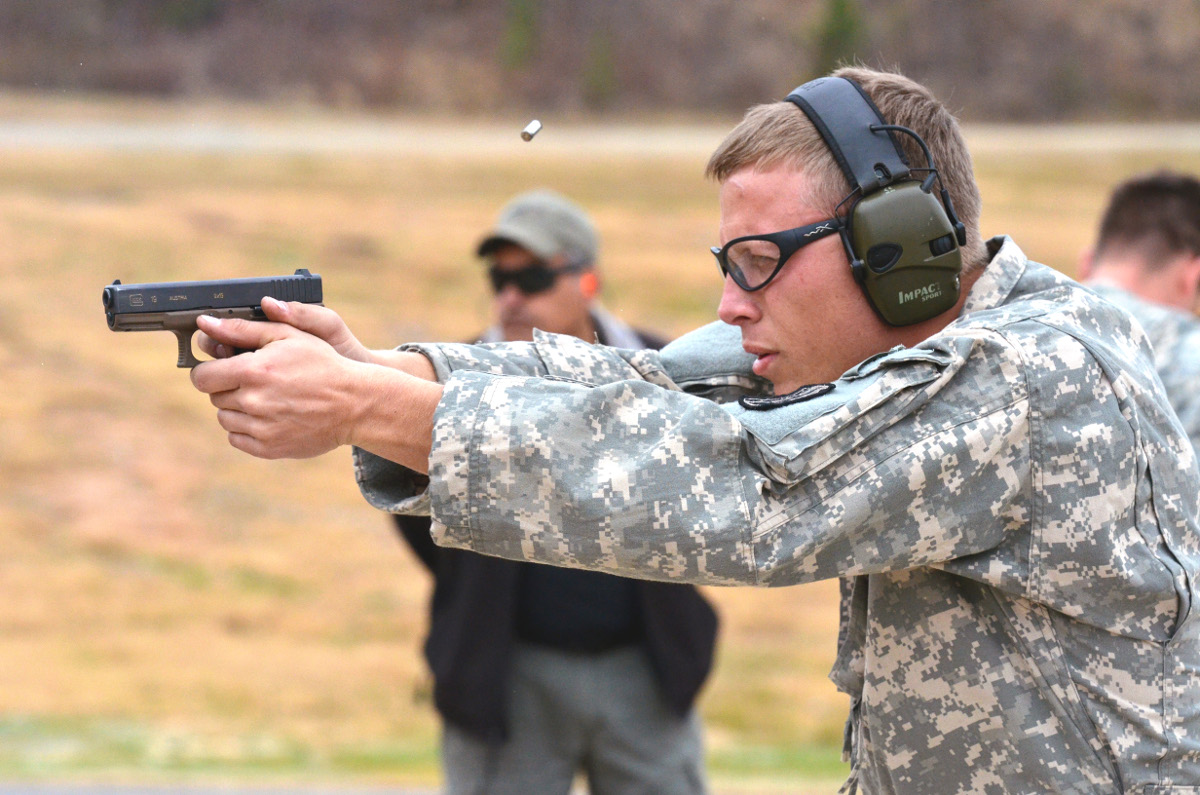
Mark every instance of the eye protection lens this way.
pixel 530 280
pixel 754 260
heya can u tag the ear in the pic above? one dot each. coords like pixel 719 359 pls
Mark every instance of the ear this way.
pixel 589 284
pixel 1189 271
pixel 1087 263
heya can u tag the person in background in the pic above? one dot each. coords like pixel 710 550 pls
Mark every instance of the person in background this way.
pixel 543 672
pixel 1146 259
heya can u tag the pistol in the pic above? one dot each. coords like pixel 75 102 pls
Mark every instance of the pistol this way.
pixel 174 306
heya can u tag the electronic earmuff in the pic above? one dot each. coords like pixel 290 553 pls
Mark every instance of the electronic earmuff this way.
pixel 902 241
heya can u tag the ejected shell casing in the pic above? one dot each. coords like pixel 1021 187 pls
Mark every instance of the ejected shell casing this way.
pixel 531 130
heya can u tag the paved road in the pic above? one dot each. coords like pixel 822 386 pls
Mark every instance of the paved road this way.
pixel 297 135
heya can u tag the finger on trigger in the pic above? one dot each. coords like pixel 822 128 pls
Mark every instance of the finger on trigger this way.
pixel 276 309
pixel 310 318
pixel 238 333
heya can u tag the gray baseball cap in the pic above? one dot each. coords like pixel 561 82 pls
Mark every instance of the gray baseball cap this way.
pixel 548 225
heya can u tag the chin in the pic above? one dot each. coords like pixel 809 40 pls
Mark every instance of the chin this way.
pixel 518 334
pixel 781 386
pixel 785 386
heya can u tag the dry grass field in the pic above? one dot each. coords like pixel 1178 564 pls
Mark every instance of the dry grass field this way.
pixel 173 609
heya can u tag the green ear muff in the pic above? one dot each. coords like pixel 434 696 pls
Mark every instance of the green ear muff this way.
pixel 902 241
pixel 908 258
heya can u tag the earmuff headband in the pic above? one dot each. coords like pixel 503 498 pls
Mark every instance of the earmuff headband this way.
pixel 870 160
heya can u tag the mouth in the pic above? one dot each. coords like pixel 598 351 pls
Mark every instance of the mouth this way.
pixel 763 358
pixel 515 319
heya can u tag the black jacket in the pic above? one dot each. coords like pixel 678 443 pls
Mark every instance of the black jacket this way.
pixel 472 630
pixel 471 633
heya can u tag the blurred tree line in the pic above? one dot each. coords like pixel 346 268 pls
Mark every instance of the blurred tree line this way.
pixel 1019 60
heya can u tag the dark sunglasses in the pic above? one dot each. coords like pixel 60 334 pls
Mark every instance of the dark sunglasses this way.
pixel 530 280
pixel 754 260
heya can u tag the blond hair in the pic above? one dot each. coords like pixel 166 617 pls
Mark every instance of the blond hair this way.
pixel 780 134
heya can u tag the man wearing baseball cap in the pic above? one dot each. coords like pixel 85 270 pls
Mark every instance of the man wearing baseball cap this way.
pixel 542 672
pixel 541 259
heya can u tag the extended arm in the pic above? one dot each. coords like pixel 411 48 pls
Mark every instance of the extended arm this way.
pixel 635 480
pixel 595 464
pixel 627 477
pixel 298 395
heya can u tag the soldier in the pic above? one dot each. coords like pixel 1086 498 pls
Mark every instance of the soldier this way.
pixel 985 457
pixel 1147 261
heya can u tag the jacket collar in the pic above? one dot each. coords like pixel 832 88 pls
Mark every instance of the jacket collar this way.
pixel 999 278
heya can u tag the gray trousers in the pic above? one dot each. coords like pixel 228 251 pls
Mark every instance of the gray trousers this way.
pixel 601 715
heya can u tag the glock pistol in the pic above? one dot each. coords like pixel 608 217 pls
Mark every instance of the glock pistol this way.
pixel 174 306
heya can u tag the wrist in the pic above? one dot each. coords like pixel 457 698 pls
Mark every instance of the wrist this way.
pixel 392 414
pixel 415 364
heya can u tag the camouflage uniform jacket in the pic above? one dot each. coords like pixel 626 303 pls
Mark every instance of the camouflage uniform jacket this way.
pixel 1175 336
pixel 1012 503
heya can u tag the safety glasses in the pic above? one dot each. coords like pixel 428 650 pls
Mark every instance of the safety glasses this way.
pixel 754 260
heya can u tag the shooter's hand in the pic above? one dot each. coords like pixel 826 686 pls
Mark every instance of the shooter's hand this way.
pixel 290 398
pixel 319 321
pixel 325 324
pixel 297 397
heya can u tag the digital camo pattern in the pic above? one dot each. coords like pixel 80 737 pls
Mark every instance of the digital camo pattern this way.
pixel 1011 504
pixel 1175 337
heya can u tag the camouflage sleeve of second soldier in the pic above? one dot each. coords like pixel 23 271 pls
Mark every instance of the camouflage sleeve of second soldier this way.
pixel 593 464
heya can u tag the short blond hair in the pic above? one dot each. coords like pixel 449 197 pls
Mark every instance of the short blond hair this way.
pixel 780 134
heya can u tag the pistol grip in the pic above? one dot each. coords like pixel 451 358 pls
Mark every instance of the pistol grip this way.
pixel 186 357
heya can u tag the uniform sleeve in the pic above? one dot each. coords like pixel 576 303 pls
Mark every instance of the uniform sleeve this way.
pixel 397 489
pixel 631 478
pixel 708 362
pixel 554 355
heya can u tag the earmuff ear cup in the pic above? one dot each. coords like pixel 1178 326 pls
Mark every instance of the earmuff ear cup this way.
pixel 910 254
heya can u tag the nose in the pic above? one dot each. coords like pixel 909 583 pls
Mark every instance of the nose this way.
pixel 737 306
pixel 509 296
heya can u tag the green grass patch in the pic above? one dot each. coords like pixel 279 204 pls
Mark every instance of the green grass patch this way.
pixel 804 761
pixel 40 747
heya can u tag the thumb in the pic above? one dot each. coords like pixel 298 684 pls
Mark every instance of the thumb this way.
pixel 317 320
pixel 245 334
